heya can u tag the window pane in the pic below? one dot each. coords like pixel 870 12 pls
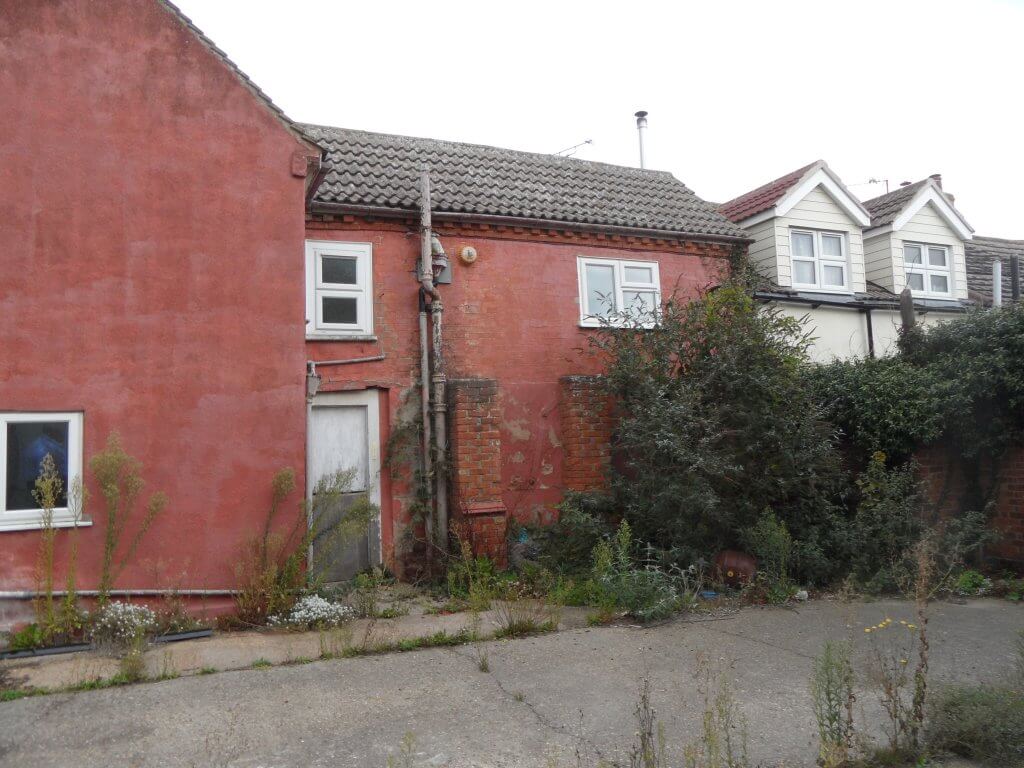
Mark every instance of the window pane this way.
pixel 916 281
pixel 937 257
pixel 600 289
pixel 832 275
pixel 912 254
pixel 639 301
pixel 803 272
pixel 939 283
pixel 639 274
pixel 803 244
pixel 27 446
pixel 339 270
pixel 339 309
pixel 832 246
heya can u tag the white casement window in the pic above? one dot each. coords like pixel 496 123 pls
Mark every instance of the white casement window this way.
pixel 339 289
pixel 25 440
pixel 614 288
pixel 819 260
pixel 927 269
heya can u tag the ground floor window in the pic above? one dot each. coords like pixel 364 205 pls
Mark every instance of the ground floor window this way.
pixel 25 440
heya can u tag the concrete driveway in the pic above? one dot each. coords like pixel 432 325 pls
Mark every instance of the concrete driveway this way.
pixel 543 698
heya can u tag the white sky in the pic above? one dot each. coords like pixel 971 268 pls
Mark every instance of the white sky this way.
pixel 738 93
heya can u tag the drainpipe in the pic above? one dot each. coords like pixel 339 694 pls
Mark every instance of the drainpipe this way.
pixel 312 387
pixel 871 332
pixel 428 246
pixel 428 470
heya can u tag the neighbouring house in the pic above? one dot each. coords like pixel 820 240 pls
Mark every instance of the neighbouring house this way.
pixel 841 263
pixel 177 269
pixel 981 253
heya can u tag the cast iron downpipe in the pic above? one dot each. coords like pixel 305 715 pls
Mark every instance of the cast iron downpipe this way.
pixel 432 374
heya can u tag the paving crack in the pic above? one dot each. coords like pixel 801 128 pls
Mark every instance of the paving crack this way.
pixel 559 729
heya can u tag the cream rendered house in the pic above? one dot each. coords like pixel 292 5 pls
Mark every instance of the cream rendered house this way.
pixel 841 264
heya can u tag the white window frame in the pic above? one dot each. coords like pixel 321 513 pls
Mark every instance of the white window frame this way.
pixel 820 261
pixel 317 289
pixel 926 270
pixel 32 519
pixel 621 284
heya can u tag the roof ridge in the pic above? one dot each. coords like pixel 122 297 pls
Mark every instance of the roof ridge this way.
pixel 545 155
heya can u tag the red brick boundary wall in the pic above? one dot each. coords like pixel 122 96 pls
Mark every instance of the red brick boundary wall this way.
pixel 946 482
pixel 479 513
pixel 587 426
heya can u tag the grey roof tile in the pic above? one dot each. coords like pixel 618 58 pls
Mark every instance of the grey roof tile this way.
pixel 980 252
pixel 885 208
pixel 377 169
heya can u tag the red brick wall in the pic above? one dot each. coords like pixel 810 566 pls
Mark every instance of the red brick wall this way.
pixel 479 513
pixel 586 433
pixel 946 480
pixel 151 275
pixel 511 317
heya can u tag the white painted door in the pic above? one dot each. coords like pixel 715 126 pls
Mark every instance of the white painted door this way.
pixel 345 435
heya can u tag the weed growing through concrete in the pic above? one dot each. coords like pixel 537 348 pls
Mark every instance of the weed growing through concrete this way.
pixel 406 753
pixel 482 660
pixel 207 670
pixel 518 614
pixel 833 699
pixel 261 663
pixel 723 742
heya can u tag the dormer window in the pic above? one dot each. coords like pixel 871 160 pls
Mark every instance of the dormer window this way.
pixel 819 260
pixel 927 269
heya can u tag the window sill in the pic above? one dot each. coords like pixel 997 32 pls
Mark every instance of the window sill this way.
pixel 341 337
pixel 828 291
pixel 34 523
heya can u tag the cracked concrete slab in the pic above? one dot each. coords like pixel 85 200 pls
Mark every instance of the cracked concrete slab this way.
pixel 543 697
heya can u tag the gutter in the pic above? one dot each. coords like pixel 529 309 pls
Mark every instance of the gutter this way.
pixel 515 221
pixel 859 304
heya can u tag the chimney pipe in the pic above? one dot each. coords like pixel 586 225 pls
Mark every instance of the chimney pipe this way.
pixel 641 128
pixel 997 283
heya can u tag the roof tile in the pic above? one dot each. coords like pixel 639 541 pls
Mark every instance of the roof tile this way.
pixel 762 198
pixel 377 169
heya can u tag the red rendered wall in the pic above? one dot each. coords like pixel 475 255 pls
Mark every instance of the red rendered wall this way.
pixel 151 273
pixel 513 317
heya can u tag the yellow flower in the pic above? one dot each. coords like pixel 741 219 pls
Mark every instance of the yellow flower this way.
pixel 903 661
pixel 867 629
pixel 911 626
pixel 903 622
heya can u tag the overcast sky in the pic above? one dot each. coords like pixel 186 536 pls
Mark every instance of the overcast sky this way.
pixel 738 93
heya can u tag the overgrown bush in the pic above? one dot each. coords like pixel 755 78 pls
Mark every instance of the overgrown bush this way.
pixel 273 568
pixel 717 423
pixel 631 580
pixel 566 546
pixel 887 522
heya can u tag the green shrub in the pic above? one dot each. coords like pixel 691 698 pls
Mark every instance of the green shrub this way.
pixel 970 583
pixel 716 424
pixel 980 723
pixel 472 578
pixel 770 541
pixel 833 698
pixel 566 545
pixel 886 523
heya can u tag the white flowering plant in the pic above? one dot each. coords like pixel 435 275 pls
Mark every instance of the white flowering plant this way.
pixel 313 612
pixel 120 624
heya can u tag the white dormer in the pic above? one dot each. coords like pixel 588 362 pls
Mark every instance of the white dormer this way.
pixel 807 231
pixel 916 239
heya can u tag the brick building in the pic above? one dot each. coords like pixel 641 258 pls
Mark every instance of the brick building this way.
pixel 177 269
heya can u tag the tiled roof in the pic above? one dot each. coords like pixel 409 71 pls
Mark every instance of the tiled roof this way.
pixel 885 208
pixel 762 198
pixel 980 253
pixel 382 171
pixel 244 78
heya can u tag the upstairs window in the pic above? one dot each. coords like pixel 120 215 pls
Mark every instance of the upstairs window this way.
pixel 339 289
pixel 819 260
pixel 25 440
pixel 615 288
pixel 927 269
